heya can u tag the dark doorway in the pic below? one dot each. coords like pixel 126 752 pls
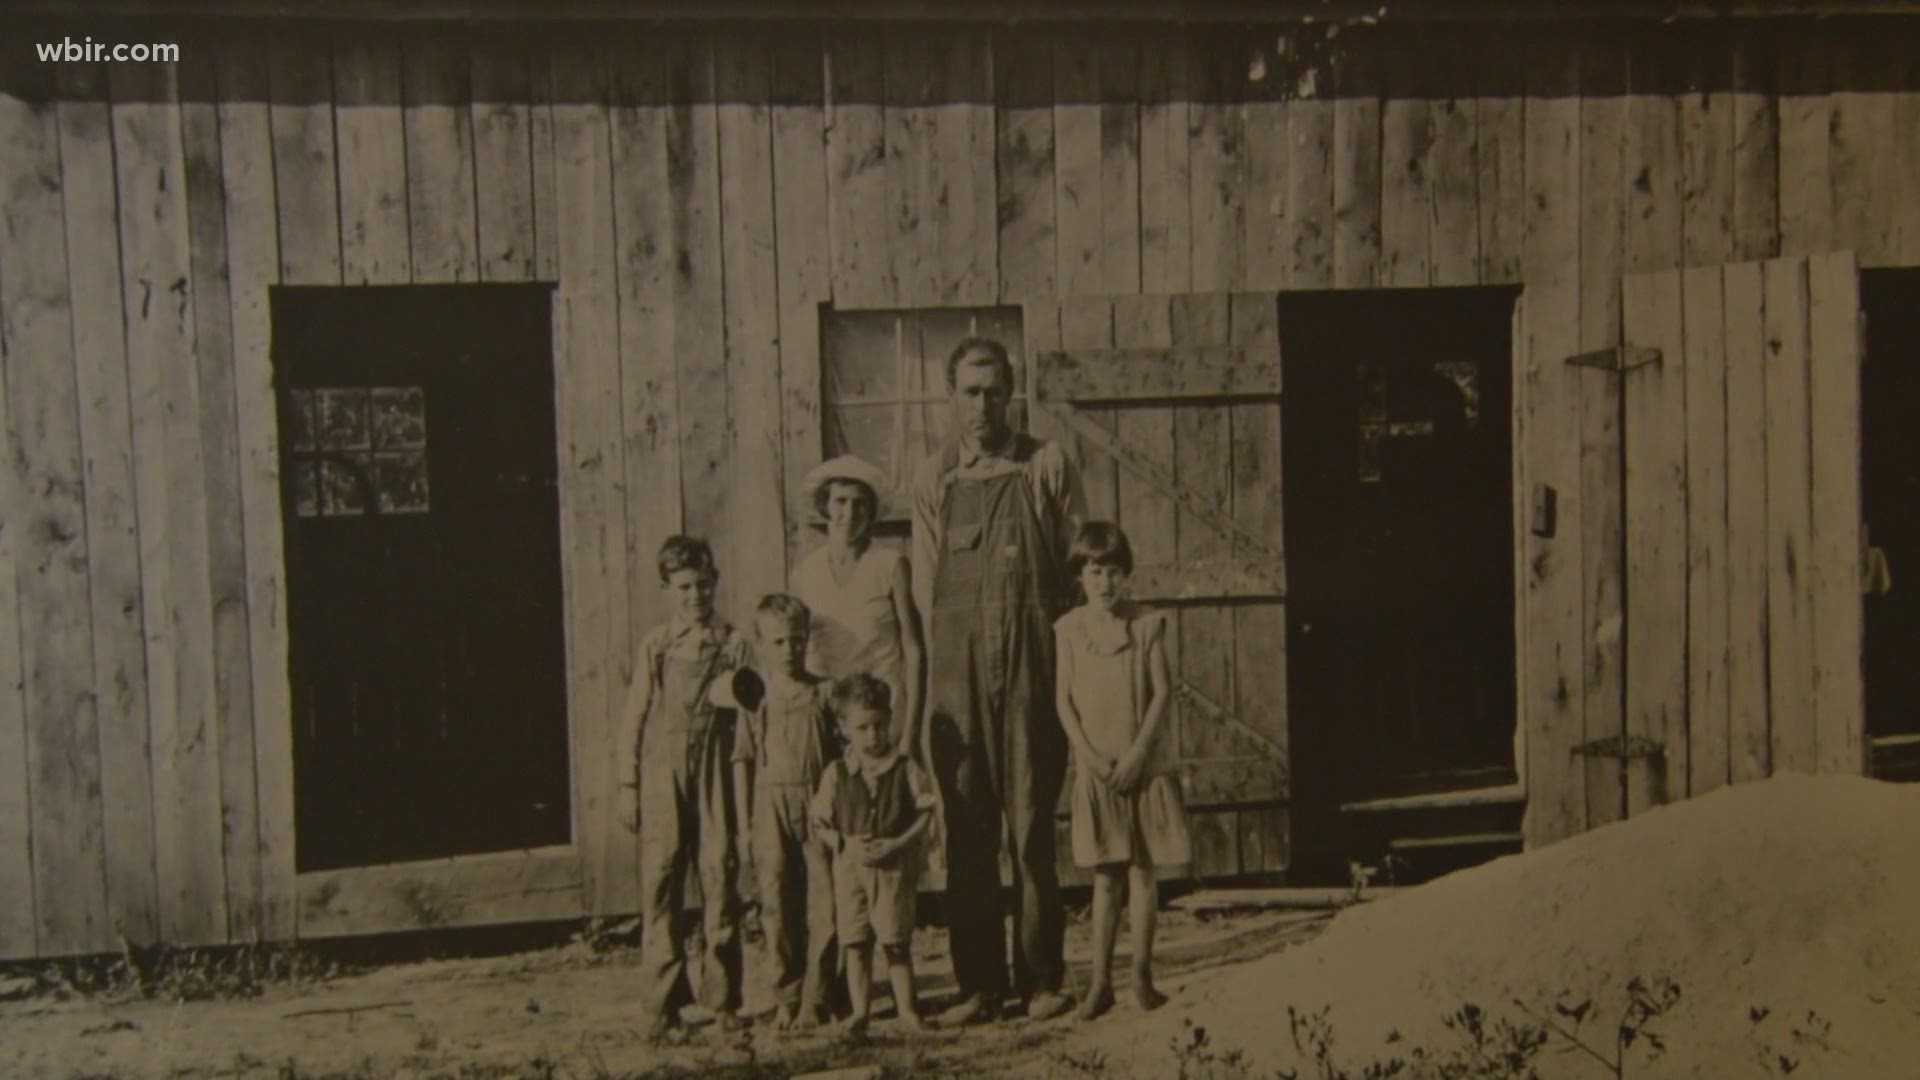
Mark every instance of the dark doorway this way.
pixel 1890 495
pixel 1399 543
pixel 418 493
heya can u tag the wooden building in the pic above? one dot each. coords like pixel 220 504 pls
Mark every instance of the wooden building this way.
pixel 356 364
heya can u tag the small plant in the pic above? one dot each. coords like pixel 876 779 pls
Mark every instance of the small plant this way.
pixel 1199 1059
pixel 1491 1048
pixel 1813 1032
pixel 1646 1003
pixel 170 974
pixel 1084 1063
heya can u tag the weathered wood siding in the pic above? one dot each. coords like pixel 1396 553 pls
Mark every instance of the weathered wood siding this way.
pixel 695 194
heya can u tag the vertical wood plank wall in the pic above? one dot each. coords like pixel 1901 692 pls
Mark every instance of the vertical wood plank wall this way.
pixel 696 196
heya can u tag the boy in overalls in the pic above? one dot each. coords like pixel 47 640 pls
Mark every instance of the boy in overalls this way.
pixel 685 751
pixel 993 513
pixel 785 742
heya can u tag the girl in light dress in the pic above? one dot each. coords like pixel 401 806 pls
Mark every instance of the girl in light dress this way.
pixel 1113 693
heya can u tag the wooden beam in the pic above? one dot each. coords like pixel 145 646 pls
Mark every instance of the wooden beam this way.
pixel 1284 898
pixel 253 264
pixel 1503 795
pixel 1105 441
pixel 1833 330
pixel 1743 318
pixel 1158 374
pixel 1789 516
pixel 112 540
pixel 1623 747
pixel 511 886
pixel 1206 579
pixel 1217 713
pixel 1428 843
pixel 1709 735
pixel 1616 358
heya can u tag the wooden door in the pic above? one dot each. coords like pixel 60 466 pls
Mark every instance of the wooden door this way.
pixel 1890 492
pixel 1742 515
pixel 1400 555
pixel 1171 406
pixel 420 506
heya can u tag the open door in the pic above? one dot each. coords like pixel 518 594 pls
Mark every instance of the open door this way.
pixel 419 498
pixel 1398 496
pixel 1741 435
pixel 1890 493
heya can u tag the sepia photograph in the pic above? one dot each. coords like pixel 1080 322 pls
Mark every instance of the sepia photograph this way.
pixel 871 539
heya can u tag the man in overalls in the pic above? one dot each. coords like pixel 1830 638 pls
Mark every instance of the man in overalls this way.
pixel 993 513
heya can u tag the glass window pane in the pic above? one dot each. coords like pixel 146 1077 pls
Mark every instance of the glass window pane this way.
pixel 861 356
pixel 343 485
pixel 870 431
pixel 400 482
pixel 341 420
pixel 399 418
pixel 938 332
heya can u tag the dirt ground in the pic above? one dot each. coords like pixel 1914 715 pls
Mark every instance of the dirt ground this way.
pixel 566 1012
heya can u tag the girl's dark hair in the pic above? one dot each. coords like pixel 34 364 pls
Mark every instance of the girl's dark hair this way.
pixel 1100 543
pixel 824 491
pixel 863 691
pixel 686 553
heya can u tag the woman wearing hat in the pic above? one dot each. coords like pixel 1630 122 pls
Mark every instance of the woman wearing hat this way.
pixel 861 595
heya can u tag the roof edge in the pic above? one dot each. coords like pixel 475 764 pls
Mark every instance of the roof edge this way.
pixel 975 11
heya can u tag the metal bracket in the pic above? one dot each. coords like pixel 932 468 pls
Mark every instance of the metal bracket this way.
pixel 1622 746
pixel 1617 359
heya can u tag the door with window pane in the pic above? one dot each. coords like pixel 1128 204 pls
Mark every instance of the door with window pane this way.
pixel 423 574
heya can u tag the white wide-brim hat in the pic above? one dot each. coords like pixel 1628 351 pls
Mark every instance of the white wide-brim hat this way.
pixel 847 467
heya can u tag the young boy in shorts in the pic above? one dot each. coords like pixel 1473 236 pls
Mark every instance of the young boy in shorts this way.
pixel 781 751
pixel 874 804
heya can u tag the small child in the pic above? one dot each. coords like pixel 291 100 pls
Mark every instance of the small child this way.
pixel 683 753
pixel 1113 694
pixel 873 806
pixel 786 742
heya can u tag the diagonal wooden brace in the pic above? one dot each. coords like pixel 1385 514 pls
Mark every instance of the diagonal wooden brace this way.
pixel 1147 469
pixel 1219 715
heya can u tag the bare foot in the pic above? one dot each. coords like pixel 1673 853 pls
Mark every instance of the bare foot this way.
pixel 1098 1001
pixel 805 1021
pixel 912 1022
pixel 734 1022
pixel 854 1028
pixel 784 1018
pixel 1145 996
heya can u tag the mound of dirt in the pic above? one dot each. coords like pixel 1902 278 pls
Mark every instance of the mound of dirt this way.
pixel 1761 902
